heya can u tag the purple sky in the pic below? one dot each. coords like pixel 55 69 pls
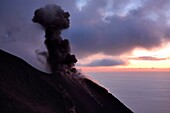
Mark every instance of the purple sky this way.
pixel 111 27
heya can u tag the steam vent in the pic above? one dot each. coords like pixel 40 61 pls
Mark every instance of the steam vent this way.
pixel 54 20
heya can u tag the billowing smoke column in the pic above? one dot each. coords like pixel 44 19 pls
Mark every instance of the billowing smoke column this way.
pixel 54 20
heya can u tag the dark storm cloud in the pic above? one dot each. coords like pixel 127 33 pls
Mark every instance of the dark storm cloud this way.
pixel 105 62
pixel 148 58
pixel 142 27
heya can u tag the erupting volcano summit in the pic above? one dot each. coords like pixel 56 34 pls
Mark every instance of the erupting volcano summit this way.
pixel 23 89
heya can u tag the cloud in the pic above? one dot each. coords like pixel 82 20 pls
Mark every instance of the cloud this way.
pixel 148 58
pixel 129 24
pixel 142 27
pixel 105 62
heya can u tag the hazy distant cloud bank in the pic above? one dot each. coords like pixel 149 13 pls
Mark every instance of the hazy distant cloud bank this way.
pixel 148 58
pixel 105 62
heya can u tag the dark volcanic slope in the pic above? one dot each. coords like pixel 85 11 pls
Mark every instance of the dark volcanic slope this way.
pixel 24 89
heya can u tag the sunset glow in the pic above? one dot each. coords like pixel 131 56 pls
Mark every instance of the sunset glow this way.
pixel 139 60
pixel 160 58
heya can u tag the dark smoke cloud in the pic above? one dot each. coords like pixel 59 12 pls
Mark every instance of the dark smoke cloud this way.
pixel 54 19
pixel 52 16
pixel 105 62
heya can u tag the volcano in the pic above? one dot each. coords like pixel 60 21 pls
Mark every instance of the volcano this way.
pixel 24 89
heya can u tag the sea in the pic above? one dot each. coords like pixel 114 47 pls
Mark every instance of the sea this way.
pixel 142 92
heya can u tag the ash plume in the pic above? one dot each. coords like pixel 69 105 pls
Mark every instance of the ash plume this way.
pixel 53 19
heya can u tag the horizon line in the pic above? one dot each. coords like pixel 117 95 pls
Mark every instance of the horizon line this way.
pixel 109 69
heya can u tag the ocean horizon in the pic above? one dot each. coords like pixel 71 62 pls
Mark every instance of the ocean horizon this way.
pixel 142 92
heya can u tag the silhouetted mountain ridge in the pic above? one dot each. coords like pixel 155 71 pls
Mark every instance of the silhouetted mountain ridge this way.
pixel 24 89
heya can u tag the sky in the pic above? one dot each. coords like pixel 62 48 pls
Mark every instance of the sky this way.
pixel 104 34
